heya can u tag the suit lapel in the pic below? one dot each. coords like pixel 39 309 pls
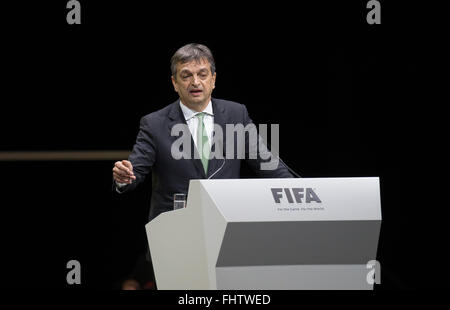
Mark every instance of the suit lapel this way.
pixel 176 117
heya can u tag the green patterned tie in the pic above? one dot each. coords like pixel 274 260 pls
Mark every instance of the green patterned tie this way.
pixel 202 142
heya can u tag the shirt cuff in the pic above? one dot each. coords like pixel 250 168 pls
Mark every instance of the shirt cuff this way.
pixel 119 185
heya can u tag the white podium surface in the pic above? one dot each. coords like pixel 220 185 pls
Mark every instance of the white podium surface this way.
pixel 316 233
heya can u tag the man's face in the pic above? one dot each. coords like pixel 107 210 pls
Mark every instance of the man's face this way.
pixel 194 82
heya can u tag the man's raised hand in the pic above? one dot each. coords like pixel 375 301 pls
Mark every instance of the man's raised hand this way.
pixel 123 172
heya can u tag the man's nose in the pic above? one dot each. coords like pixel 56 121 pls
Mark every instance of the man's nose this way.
pixel 195 80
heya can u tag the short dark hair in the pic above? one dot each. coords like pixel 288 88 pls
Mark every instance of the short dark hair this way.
pixel 190 52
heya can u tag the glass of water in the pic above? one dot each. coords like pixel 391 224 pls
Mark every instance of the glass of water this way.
pixel 179 201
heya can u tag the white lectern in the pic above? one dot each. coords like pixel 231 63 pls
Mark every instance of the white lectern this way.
pixel 316 233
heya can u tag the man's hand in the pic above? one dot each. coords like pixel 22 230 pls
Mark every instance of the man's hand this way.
pixel 123 172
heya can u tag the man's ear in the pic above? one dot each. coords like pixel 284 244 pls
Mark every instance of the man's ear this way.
pixel 214 79
pixel 174 83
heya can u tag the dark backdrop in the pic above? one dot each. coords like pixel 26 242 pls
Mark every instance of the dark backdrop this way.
pixel 351 100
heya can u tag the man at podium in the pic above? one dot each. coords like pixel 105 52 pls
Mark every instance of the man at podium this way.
pixel 193 78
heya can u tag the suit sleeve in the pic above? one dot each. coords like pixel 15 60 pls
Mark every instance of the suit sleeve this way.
pixel 143 155
pixel 277 170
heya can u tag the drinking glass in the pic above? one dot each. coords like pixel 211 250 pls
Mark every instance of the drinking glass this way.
pixel 179 201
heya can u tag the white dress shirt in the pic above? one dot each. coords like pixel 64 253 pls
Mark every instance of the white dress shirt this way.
pixel 192 121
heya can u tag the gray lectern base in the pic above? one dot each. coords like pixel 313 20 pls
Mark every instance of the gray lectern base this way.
pixel 269 234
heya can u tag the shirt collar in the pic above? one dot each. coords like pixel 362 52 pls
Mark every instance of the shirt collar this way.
pixel 188 113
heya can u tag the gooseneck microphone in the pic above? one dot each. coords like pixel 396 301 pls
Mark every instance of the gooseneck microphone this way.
pixel 220 168
pixel 287 167
pixel 224 160
pixel 223 163
pixel 284 164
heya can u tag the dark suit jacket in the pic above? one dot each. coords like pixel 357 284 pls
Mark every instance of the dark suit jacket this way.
pixel 152 152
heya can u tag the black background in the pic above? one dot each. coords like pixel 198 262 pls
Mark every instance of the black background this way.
pixel 351 99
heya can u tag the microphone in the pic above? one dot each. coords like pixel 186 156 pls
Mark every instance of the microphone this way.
pixel 223 164
pixel 287 167
pixel 284 164
pixel 224 160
